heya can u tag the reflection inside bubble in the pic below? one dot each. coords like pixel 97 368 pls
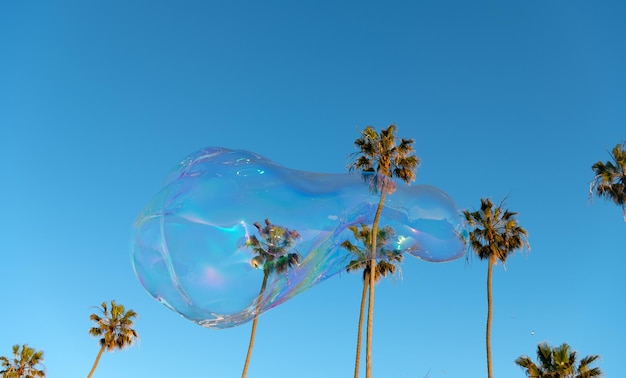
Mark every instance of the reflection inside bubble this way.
pixel 190 248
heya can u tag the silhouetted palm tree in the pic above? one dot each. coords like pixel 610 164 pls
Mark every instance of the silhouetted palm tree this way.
pixel 494 236
pixel 379 158
pixel 390 258
pixel 558 362
pixel 610 178
pixel 271 254
pixel 114 328
pixel 24 363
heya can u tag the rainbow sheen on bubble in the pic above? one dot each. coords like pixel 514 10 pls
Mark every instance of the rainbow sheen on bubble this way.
pixel 189 242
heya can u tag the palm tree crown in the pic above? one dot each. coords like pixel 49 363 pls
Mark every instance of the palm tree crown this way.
pixel 114 327
pixel 558 362
pixel 610 178
pixel 495 232
pixel 389 258
pixel 24 363
pixel 271 251
pixel 382 156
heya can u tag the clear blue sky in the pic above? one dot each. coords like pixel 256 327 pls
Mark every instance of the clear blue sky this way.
pixel 517 99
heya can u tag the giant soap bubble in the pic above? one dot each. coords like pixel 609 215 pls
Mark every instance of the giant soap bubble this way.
pixel 189 242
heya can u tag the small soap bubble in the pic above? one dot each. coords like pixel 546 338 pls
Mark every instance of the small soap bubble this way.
pixel 190 253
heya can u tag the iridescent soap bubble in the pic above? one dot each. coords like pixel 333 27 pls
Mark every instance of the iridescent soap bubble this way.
pixel 189 242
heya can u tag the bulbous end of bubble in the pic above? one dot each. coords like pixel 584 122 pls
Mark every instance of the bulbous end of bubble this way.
pixel 190 252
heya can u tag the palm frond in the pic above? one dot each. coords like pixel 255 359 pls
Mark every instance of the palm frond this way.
pixel 532 370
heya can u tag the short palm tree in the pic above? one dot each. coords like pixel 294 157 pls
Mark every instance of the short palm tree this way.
pixel 24 363
pixel 114 327
pixel 379 158
pixel 558 362
pixel 272 254
pixel 385 266
pixel 494 236
pixel 610 178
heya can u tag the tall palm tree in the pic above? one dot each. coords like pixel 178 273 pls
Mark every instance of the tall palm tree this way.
pixel 558 362
pixel 272 254
pixel 379 158
pixel 494 236
pixel 114 327
pixel 610 178
pixel 385 266
pixel 24 363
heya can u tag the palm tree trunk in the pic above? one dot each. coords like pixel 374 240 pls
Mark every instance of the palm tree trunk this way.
pixel 372 266
pixel 360 331
pixel 254 322
pixel 489 310
pixel 95 364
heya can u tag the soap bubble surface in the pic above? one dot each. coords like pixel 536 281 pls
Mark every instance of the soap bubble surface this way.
pixel 189 247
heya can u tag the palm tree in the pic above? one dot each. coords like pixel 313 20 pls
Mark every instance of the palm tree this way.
pixel 610 179
pixel 379 158
pixel 558 362
pixel 385 266
pixel 24 363
pixel 271 254
pixel 115 329
pixel 494 236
